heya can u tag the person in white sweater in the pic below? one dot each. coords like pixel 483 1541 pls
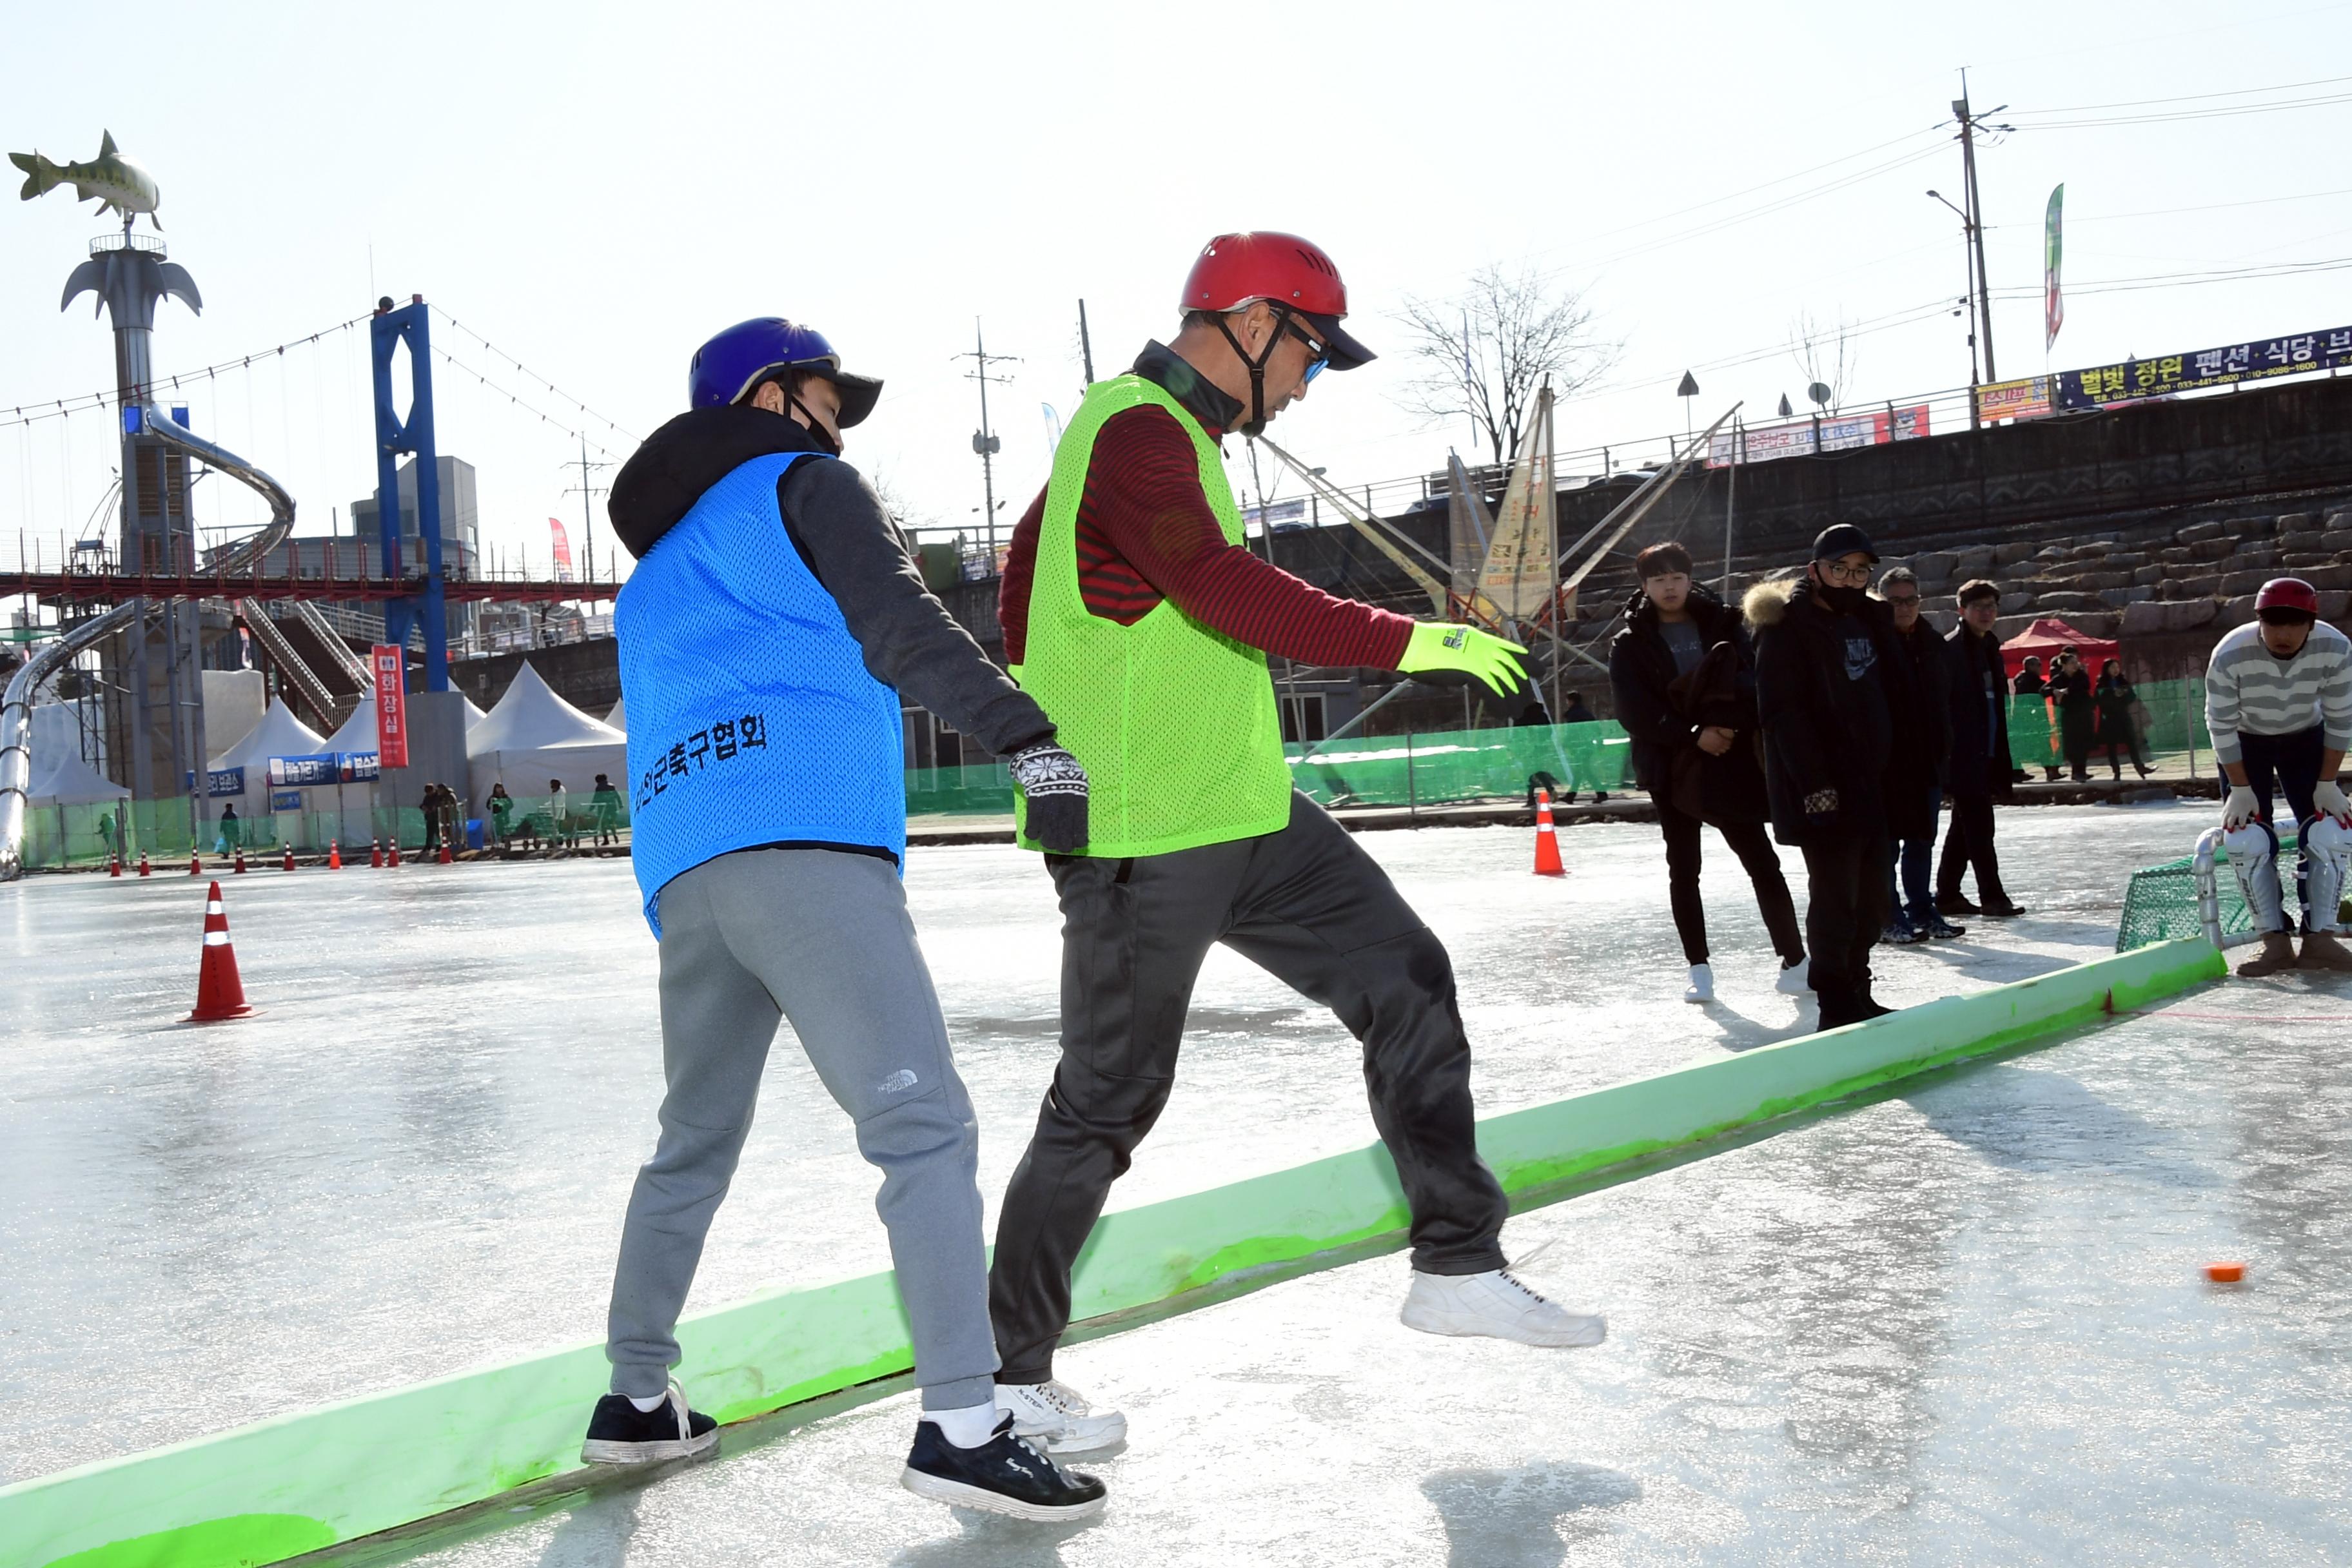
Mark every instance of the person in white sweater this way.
pixel 2278 702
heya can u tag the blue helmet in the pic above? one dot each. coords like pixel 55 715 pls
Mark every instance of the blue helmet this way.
pixel 730 364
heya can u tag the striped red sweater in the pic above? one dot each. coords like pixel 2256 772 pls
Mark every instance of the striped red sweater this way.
pixel 1145 532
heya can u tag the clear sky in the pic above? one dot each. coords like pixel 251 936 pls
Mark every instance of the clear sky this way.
pixel 596 188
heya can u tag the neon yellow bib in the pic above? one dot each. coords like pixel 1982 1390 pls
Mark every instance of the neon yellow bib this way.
pixel 1175 724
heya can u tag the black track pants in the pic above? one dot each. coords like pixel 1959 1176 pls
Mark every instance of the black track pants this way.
pixel 1969 843
pixel 1845 909
pixel 1308 906
pixel 1754 847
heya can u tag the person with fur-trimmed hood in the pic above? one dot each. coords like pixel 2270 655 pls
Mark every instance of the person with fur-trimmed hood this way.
pixel 1834 692
pixel 1685 680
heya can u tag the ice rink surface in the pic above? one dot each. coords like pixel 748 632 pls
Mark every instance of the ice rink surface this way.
pixel 1962 1324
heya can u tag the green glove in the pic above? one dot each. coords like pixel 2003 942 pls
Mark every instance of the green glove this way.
pixel 1438 645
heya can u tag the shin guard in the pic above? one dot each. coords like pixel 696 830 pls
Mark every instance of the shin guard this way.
pixel 2327 869
pixel 2253 856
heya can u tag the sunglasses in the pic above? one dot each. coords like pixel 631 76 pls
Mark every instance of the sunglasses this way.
pixel 1317 354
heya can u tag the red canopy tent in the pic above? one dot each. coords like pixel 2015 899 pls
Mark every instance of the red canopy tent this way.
pixel 2045 637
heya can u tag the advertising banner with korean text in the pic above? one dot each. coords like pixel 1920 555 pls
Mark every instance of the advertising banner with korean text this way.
pixel 355 767
pixel 1829 433
pixel 2264 357
pixel 2026 398
pixel 218 782
pixel 299 773
pixel 391 706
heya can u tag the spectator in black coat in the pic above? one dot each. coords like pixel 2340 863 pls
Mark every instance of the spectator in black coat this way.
pixel 2118 733
pixel 1834 691
pixel 1980 771
pixel 1918 776
pixel 2070 687
pixel 1684 681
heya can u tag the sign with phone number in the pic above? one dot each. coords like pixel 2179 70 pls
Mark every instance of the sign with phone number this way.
pixel 2102 385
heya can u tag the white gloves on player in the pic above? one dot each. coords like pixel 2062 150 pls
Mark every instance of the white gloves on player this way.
pixel 2329 798
pixel 2239 809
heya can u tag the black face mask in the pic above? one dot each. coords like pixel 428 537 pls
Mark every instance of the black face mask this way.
pixel 824 438
pixel 1844 601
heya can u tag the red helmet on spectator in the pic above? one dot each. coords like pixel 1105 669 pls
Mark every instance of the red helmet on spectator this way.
pixel 2292 593
pixel 1293 274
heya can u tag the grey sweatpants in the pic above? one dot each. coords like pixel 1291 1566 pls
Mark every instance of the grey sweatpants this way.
pixel 820 937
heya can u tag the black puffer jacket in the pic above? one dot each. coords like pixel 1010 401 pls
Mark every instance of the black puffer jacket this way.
pixel 1835 718
pixel 1641 671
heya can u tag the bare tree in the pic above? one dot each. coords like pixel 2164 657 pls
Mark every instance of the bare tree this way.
pixel 1487 353
pixel 1826 354
pixel 895 505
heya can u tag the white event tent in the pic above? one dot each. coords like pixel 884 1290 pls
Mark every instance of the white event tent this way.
pixel 280 734
pixel 619 717
pixel 61 779
pixel 532 736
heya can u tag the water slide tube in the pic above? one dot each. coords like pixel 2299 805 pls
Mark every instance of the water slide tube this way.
pixel 16 703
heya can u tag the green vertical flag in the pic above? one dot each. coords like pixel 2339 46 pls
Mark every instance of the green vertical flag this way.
pixel 2054 305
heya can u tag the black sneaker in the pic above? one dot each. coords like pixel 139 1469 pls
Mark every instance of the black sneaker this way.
pixel 621 1434
pixel 1005 1475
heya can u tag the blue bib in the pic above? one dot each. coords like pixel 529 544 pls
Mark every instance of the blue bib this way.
pixel 751 717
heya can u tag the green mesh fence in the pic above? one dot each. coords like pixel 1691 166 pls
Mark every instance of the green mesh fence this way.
pixel 2161 904
pixel 2167 730
pixel 1459 766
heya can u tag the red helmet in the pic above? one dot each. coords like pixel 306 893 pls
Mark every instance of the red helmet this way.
pixel 2288 594
pixel 1238 269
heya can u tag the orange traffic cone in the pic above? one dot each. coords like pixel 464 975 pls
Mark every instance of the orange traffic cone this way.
pixel 376 854
pixel 1547 840
pixel 114 864
pixel 446 858
pixel 142 864
pixel 392 856
pixel 289 856
pixel 334 855
pixel 219 992
pixel 240 859
pixel 195 867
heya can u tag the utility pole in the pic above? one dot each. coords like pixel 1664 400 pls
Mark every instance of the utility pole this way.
pixel 983 440
pixel 587 490
pixel 1968 123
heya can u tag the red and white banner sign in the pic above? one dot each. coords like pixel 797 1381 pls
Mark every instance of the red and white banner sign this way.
pixel 1829 433
pixel 562 551
pixel 391 707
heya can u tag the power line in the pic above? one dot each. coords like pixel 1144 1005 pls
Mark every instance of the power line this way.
pixel 61 408
pixel 491 348
pixel 515 399
pixel 2216 113
pixel 2186 98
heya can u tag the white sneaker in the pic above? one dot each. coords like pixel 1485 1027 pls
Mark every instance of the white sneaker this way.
pixel 1702 986
pixel 1792 981
pixel 1057 1416
pixel 1497 1306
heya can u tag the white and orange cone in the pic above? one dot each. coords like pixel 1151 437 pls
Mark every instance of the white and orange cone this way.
pixel 195 866
pixel 334 855
pixel 289 856
pixel 376 854
pixel 240 860
pixel 143 865
pixel 1547 839
pixel 220 994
